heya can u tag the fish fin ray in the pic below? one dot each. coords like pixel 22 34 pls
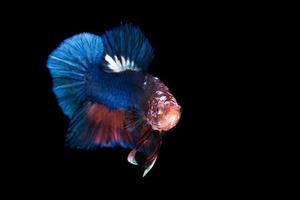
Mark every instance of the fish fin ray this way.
pixel 69 65
pixel 94 126
pixel 126 48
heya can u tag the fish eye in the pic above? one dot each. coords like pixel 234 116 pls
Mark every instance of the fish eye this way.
pixel 160 110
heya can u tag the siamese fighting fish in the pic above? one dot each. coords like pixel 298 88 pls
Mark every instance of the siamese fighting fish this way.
pixel 102 85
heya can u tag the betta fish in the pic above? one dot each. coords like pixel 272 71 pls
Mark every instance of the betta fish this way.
pixel 102 85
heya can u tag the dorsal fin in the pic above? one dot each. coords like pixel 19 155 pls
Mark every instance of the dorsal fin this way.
pixel 126 48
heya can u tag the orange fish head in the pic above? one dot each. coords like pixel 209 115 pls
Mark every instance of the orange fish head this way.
pixel 164 112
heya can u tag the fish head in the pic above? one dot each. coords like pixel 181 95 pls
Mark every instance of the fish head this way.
pixel 164 112
pixel 168 115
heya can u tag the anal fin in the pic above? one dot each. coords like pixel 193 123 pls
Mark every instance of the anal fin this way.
pixel 94 125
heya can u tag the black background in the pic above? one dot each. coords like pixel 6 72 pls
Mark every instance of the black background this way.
pixel 203 53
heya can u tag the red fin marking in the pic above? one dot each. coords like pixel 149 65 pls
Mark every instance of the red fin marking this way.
pixel 107 126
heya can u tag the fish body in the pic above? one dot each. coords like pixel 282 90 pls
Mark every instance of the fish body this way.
pixel 102 85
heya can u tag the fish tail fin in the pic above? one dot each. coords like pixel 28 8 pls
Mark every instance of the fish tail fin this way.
pixel 69 65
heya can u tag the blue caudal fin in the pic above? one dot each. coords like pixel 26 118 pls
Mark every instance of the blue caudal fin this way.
pixel 69 64
pixel 126 48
